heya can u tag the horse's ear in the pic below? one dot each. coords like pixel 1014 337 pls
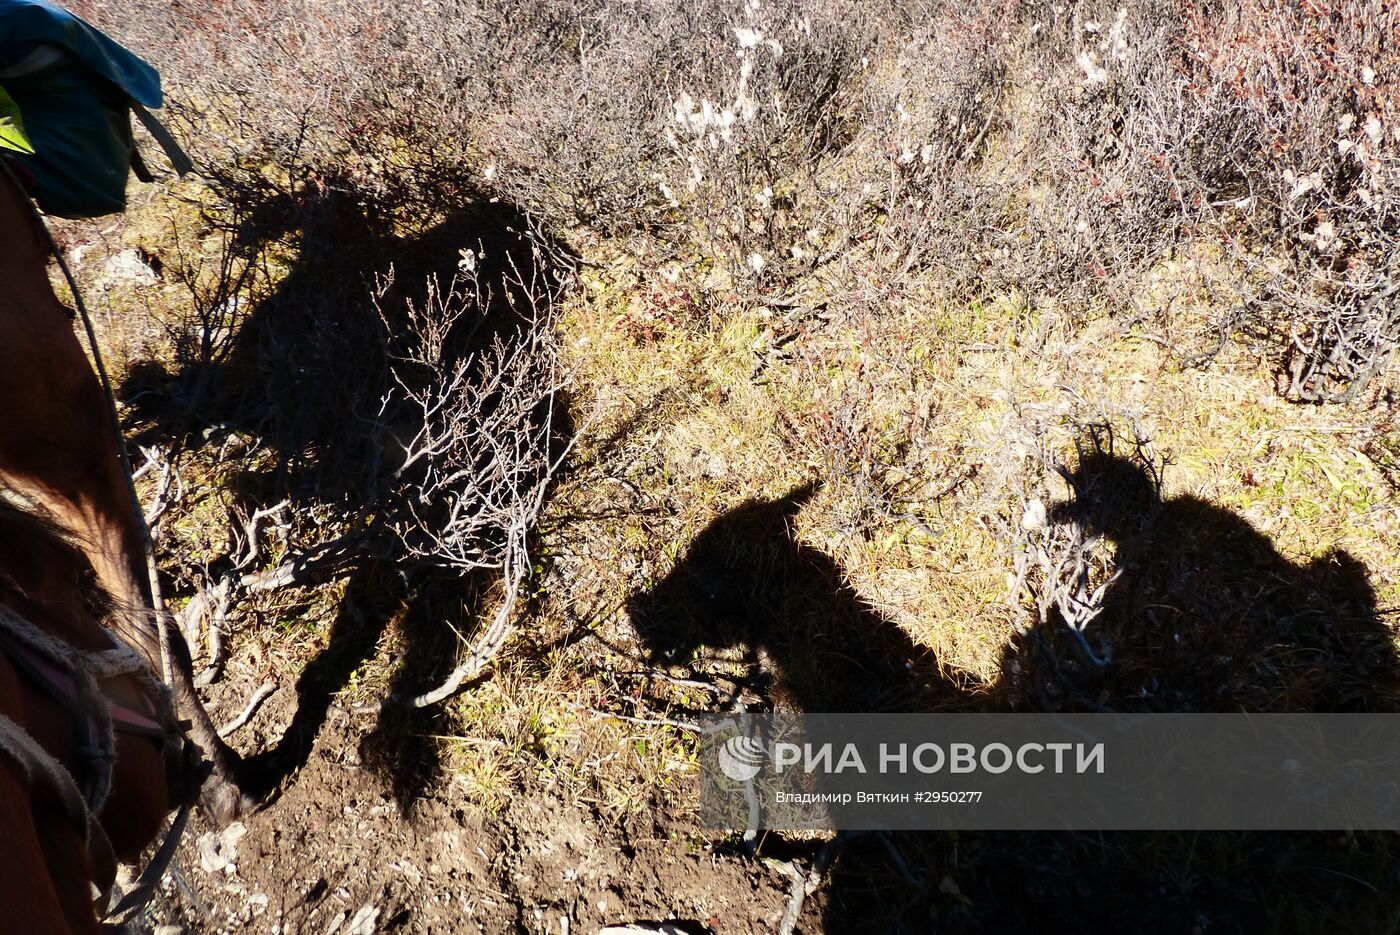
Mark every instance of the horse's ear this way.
pixel 1345 580
pixel 792 503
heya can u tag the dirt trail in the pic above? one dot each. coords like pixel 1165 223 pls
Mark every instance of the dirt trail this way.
pixel 335 850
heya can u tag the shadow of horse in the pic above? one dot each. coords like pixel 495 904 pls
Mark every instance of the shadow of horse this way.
pixel 307 372
pixel 1207 616
pixel 809 641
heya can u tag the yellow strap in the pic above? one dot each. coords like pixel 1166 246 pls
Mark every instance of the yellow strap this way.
pixel 12 135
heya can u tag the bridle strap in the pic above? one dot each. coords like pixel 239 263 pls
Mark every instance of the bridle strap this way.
pixel 146 885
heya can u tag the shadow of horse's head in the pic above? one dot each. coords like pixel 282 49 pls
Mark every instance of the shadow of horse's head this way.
pixel 1111 495
pixel 723 591
pixel 747 583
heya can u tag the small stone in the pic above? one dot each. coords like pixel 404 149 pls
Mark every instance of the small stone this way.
pixel 364 921
pixel 127 267
pixel 1035 518
pixel 217 850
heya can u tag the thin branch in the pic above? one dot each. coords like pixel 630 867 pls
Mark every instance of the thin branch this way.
pixel 647 721
pixel 264 692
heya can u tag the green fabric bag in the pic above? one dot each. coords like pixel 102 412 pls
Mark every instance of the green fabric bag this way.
pixel 77 89
pixel 12 136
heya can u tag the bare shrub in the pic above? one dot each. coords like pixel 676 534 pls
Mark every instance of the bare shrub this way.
pixel 1124 159
pixel 477 465
pixel 277 92
pixel 1048 150
pixel 1263 128
pixel 1317 85
pixel 1056 150
pixel 223 277
pixel 468 433
pixel 574 101
pixel 1063 568
pixel 754 128
pixel 477 431
pixel 932 117
pixel 563 105
pixel 410 423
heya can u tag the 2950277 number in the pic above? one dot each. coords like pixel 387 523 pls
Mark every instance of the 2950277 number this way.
pixel 937 797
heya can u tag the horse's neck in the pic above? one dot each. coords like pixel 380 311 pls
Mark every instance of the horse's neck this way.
pixel 26 246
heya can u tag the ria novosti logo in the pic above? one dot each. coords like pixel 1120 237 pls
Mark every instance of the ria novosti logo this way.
pixel 741 758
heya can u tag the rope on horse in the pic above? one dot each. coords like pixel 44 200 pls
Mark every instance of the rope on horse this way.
pixel 83 801
pixel 39 768
pixel 86 669
pixel 84 796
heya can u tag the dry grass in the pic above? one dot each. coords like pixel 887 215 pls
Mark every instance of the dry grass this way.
pixel 931 397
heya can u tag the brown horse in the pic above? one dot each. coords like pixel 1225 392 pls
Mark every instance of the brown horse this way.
pixel 91 757
pixel 59 456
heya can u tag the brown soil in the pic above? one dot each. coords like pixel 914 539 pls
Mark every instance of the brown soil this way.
pixel 335 841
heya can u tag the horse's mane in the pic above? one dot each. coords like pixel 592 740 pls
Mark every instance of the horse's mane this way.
pixel 36 555
pixel 22 529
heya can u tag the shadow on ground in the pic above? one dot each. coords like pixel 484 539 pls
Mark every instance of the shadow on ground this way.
pixel 306 372
pixel 1207 616
pixel 748 590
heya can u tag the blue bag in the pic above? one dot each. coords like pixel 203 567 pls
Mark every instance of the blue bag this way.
pixel 76 90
